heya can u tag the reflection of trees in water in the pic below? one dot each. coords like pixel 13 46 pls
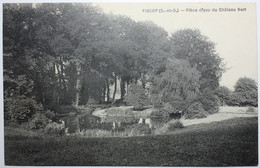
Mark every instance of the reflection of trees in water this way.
pixel 119 123
pixel 76 124
pixel 129 125
pixel 153 122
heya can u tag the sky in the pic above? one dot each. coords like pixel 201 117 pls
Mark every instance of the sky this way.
pixel 234 32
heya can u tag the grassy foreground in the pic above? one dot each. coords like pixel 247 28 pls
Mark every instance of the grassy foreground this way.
pixel 232 142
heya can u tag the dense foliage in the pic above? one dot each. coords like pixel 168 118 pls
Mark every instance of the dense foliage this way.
pixel 195 110
pixel 73 54
pixel 245 93
pixel 223 94
pixel 200 52
pixel 136 96
pixel 209 101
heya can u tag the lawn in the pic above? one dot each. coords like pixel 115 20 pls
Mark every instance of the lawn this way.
pixel 232 142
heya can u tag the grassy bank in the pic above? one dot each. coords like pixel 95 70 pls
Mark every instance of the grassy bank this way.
pixel 227 143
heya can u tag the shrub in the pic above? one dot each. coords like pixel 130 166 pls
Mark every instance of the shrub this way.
pixel 210 102
pixel 168 126
pixel 251 109
pixel 158 113
pixel 21 108
pixel 140 129
pixel 55 128
pixel 245 93
pixel 168 108
pixel 223 94
pixel 180 105
pixel 234 99
pixel 175 125
pixel 118 103
pixel 38 121
pixel 7 108
pixel 195 110
pixel 139 108
pixel 49 114
pixel 243 99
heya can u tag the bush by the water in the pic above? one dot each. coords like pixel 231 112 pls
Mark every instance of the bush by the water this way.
pixel 55 128
pixel 21 108
pixel 170 109
pixel 175 125
pixel 139 108
pixel 139 129
pixel 195 110
pixel 26 110
pixel 169 126
pixel 38 121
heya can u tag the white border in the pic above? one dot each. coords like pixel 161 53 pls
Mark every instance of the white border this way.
pixel 110 1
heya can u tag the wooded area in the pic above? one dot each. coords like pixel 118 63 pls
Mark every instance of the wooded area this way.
pixel 72 54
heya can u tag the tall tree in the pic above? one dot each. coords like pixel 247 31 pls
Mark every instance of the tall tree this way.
pixel 148 42
pixel 179 81
pixel 191 45
pixel 81 21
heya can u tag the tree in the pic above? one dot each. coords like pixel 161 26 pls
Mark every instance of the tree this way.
pixel 196 48
pixel 245 84
pixel 147 48
pixel 68 54
pixel 246 92
pixel 210 101
pixel 179 82
pixel 54 44
pixel 20 74
pixel 223 94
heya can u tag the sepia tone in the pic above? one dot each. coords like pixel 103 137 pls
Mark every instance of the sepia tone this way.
pixel 130 84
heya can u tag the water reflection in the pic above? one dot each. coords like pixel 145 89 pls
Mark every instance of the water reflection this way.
pixel 90 125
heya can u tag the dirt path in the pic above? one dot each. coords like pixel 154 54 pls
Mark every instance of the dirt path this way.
pixel 225 113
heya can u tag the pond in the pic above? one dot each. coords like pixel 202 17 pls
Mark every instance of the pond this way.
pixel 93 126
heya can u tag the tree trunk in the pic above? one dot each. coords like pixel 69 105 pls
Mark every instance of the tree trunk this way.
pixel 61 73
pixel 114 95
pixel 77 87
pixel 39 87
pixel 122 88
pixel 108 91
pixel 136 79
pixel 104 93
pixel 77 125
pixel 127 85
pixel 143 80
pixel 56 92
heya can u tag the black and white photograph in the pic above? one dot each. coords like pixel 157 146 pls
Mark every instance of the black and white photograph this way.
pixel 129 84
